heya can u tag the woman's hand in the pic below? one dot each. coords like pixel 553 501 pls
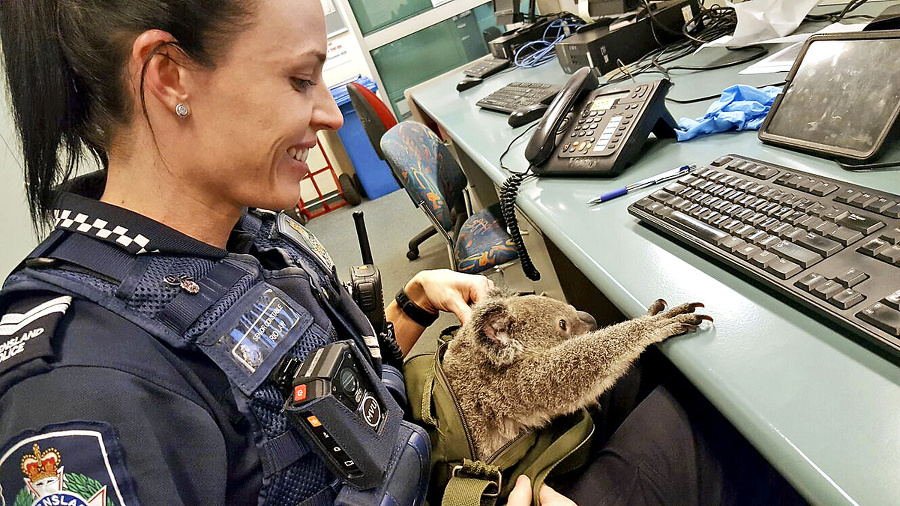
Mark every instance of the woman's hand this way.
pixel 521 495
pixel 446 290
pixel 433 291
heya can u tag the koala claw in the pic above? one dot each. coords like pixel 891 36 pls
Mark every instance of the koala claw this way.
pixel 657 307
pixel 682 309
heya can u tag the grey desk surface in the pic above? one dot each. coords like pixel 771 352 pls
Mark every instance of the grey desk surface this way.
pixel 822 408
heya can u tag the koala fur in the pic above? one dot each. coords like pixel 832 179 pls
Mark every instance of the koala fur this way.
pixel 522 360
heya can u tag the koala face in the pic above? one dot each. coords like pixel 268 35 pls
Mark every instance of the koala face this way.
pixel 506 327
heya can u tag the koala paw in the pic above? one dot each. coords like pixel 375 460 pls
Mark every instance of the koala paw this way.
pixel 677 320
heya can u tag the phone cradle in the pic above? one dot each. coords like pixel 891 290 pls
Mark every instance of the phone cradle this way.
pixel 607 128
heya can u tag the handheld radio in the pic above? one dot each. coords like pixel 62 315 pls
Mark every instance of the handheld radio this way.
pixel 365 280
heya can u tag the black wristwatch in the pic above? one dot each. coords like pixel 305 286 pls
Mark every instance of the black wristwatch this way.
pixel 411 309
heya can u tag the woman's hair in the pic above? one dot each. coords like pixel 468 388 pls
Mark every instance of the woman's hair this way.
pixel 66 65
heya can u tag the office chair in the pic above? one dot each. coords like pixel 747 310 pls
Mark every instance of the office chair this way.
pixel 376 119
pixel 436 184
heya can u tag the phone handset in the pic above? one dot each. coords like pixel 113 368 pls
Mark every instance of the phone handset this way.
pixel 543 142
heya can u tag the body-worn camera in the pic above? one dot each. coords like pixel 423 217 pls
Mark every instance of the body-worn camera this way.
pixel 341 404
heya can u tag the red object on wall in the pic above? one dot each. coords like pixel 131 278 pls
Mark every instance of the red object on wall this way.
pixel 322 203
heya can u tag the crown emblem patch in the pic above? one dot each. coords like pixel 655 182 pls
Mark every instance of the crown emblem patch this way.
pixel 73 464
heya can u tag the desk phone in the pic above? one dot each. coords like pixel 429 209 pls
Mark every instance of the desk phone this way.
pixel 591 131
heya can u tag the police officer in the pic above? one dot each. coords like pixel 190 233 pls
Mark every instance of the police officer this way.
pixel 136 341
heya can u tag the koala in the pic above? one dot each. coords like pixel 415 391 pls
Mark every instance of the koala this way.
pixel 521 361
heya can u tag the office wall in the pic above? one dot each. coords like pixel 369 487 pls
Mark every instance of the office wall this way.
pixel 16 236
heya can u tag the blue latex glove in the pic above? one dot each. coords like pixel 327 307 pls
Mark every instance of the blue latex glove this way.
pixel 740 107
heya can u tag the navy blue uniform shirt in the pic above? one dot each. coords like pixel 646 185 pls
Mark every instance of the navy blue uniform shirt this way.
pixel 114 416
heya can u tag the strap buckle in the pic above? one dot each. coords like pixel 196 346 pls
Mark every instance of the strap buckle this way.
pixel 481 471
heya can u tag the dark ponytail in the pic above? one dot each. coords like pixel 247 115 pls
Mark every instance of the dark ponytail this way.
pixel 65 63
pixel 43 97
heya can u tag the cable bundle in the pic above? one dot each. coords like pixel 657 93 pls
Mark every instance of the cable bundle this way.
pixel 539 52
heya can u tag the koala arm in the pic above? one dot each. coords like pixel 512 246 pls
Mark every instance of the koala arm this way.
pixel 575 372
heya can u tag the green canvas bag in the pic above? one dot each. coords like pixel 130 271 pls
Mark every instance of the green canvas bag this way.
pixel 457 478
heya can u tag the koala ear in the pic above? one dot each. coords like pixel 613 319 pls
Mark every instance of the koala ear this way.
pixel 494 328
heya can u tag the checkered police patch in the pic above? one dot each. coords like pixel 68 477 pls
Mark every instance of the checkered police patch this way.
pixel 135 244
pixel 75 464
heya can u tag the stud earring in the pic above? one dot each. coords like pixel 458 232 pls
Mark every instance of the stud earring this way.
pixel 181 109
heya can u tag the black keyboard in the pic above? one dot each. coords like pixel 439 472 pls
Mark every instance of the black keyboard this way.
pixel 515 95
pixel 830 245
pixel 486 67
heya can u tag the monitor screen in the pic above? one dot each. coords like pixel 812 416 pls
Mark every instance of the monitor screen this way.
pixel 843 97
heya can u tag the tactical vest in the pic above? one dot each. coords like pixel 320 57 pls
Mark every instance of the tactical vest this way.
pixel 457 477
pixel 246 313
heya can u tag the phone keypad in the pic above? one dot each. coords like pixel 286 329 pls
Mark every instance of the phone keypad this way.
pixel 588 138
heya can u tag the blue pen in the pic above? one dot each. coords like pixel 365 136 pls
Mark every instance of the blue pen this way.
pixel 650 181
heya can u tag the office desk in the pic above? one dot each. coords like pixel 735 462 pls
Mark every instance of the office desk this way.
pixel 824 409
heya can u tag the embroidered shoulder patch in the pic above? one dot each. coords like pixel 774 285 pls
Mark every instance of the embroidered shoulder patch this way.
pixel 71 464
pixel 298 234
pixel 26 329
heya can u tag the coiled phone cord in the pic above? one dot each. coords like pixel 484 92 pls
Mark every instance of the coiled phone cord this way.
pixel 508 191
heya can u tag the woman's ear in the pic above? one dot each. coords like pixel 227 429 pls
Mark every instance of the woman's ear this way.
pixel 159 67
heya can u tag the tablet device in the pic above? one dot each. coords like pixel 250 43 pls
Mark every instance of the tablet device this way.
pixel 842 96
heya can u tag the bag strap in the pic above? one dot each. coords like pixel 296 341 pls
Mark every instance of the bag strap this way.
pixel 473 483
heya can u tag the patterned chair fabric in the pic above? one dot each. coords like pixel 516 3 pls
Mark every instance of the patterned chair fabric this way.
pixel 427 170
pixel 483 242
pixel 430 174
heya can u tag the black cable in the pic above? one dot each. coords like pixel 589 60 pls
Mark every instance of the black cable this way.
pixel 508 192
pixel 709 97
pixel 868 166
pixel 840 15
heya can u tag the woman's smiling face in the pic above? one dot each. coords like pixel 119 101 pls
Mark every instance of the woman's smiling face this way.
pixel 255 116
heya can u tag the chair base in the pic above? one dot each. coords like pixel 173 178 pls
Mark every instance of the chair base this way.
pixel 414 243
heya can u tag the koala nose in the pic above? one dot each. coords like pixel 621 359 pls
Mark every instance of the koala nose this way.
pixel 587 318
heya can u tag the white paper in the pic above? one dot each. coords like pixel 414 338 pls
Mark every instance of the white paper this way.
pixel 759 20
pixel 783 60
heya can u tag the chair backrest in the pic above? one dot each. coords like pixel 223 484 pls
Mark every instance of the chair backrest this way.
pixel 375 117
pixel 427 170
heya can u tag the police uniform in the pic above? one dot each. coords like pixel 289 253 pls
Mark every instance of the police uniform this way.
pixel 135 361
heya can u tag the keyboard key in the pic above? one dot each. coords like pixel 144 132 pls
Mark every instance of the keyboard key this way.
pixel 891 236
pixel 890 255
pixel 883 317
pixel 722 160
pixel 823 189
pixel 827 289
pixel 862 200
pixel 795 253
pixel 851 277
pixel 825 228
pixel 872 247
pixel 782 268
pixel 810 281
pixel 844 235
pixel 845 299
pixel 763 258
pixel 731 243
pixel 892 300
pixel 880 204
pixel 835 214
pixel 845 195
pixel 747 250
pixel 860 223
pixel 770 241
pixel 697 227
pixel 892 212
pixel 821 245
